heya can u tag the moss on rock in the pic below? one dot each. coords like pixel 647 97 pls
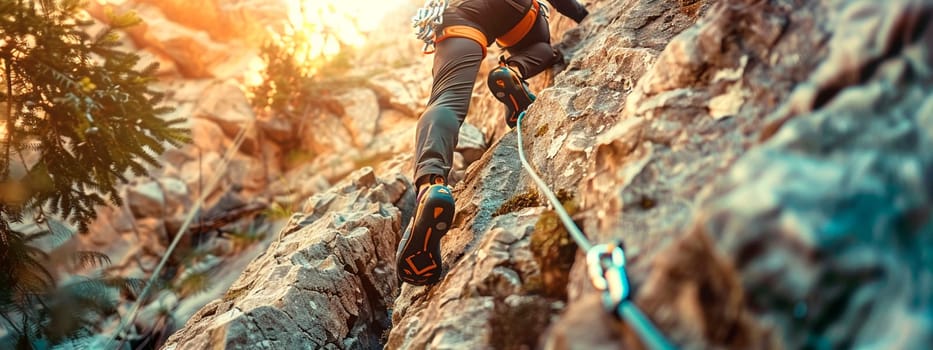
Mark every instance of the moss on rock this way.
pixel 527 199
pixel 554 250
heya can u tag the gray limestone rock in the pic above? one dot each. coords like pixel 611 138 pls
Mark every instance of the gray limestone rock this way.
pixel 325 282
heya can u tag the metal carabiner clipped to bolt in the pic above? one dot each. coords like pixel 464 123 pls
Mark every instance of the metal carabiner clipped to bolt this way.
pixel 606 263
pixel 599 259
pixel 618 290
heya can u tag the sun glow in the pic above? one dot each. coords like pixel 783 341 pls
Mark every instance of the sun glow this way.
pixel 336 23
pixel 319 30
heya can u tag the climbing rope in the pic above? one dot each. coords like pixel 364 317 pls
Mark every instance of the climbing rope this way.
pixel 426 20
pixel 221 171
pixel 605 263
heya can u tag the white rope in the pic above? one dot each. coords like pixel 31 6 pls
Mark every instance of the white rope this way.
pixel 572 228
pixel 426 20
pixel 221 171
pixel 626 309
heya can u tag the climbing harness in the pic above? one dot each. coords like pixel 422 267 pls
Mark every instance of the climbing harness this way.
pixel 605 263
pixel 464 32
pixel 521 29
pixel 430 16
pixel 426 20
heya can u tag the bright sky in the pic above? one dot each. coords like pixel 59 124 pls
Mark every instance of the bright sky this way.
pixel 322 24
pixel 350 19
pixel 327 13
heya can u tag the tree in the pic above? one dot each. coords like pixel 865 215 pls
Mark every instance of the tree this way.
pixel 78 118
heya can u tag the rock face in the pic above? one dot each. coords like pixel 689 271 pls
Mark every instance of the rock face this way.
pixel 324 283
pixel 834 250
pixel 205 48
pixel 766 163
pixel 653 138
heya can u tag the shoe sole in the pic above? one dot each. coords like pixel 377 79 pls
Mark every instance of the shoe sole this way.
pixel 508 89
pixel 418 260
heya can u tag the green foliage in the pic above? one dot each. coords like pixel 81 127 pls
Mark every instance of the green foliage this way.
pixel 277 211
pixel 41 313
pixel 76 118
pixel 193 283
pixel 297 157
pixel 195 277
pixel 527 199
pixel 293 84
pixel 77 106
pixel 298 80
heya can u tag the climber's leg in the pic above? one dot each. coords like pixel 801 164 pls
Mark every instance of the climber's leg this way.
pixel 508 87
pixel 456 62
pixel 533 54
pixel 529 56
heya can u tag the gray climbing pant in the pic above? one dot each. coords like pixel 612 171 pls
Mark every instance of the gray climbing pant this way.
pixel 456 63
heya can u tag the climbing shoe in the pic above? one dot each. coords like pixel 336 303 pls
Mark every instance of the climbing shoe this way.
pixel 509 88
pixel 418 260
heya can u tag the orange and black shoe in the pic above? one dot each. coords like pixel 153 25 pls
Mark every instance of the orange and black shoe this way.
pixel 509 88
pixel 418 260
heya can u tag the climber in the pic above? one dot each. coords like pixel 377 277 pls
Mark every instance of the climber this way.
pixel 466 28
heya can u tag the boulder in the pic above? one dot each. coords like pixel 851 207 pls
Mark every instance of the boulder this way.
pixel 471 143
pixel 248 172
pixel 360 115
pixel 225 103
pixel 325 134
pixel 193 52
pixel 335 166
pixel 207 136
pixel 224 21
pixel 325 282
pixel 178 201
pixel 278 129
pixel 827 222
pixel 404 89
pixel 197 173
pixel 146 200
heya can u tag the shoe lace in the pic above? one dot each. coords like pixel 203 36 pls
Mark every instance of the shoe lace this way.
pixel 505 64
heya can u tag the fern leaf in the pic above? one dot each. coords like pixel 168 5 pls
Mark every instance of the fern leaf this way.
pixel 59 231
pixel 90 259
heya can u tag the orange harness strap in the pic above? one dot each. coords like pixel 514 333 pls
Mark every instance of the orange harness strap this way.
pixel 516 34
pixel 464 32
pixel 522 28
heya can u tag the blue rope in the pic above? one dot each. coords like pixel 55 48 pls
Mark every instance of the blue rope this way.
pixel 626 309
pixel 648 333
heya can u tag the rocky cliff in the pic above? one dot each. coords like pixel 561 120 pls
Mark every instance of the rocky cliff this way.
pixel 766 163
